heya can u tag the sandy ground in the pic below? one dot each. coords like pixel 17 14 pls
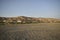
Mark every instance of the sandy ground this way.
pixel 42 31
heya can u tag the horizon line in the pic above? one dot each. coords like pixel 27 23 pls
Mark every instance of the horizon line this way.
pixel 31 16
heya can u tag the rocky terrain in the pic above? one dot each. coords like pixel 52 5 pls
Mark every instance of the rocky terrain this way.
pixel 24 20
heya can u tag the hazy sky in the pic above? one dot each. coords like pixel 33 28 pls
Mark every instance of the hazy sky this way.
pixel 34 8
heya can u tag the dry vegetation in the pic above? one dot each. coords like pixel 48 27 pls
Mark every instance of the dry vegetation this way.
pixel 27 20
pixel 46 31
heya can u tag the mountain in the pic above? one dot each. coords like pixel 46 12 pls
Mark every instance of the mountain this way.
pixel 24 19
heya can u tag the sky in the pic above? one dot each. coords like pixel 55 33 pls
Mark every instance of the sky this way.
pixel 33 8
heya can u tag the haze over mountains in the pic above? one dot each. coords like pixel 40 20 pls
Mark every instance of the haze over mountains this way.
pixel 25 19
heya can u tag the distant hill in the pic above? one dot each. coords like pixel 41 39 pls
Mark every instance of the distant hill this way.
pixel 24 19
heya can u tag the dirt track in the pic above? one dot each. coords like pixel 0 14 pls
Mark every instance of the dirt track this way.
pixel 30 32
